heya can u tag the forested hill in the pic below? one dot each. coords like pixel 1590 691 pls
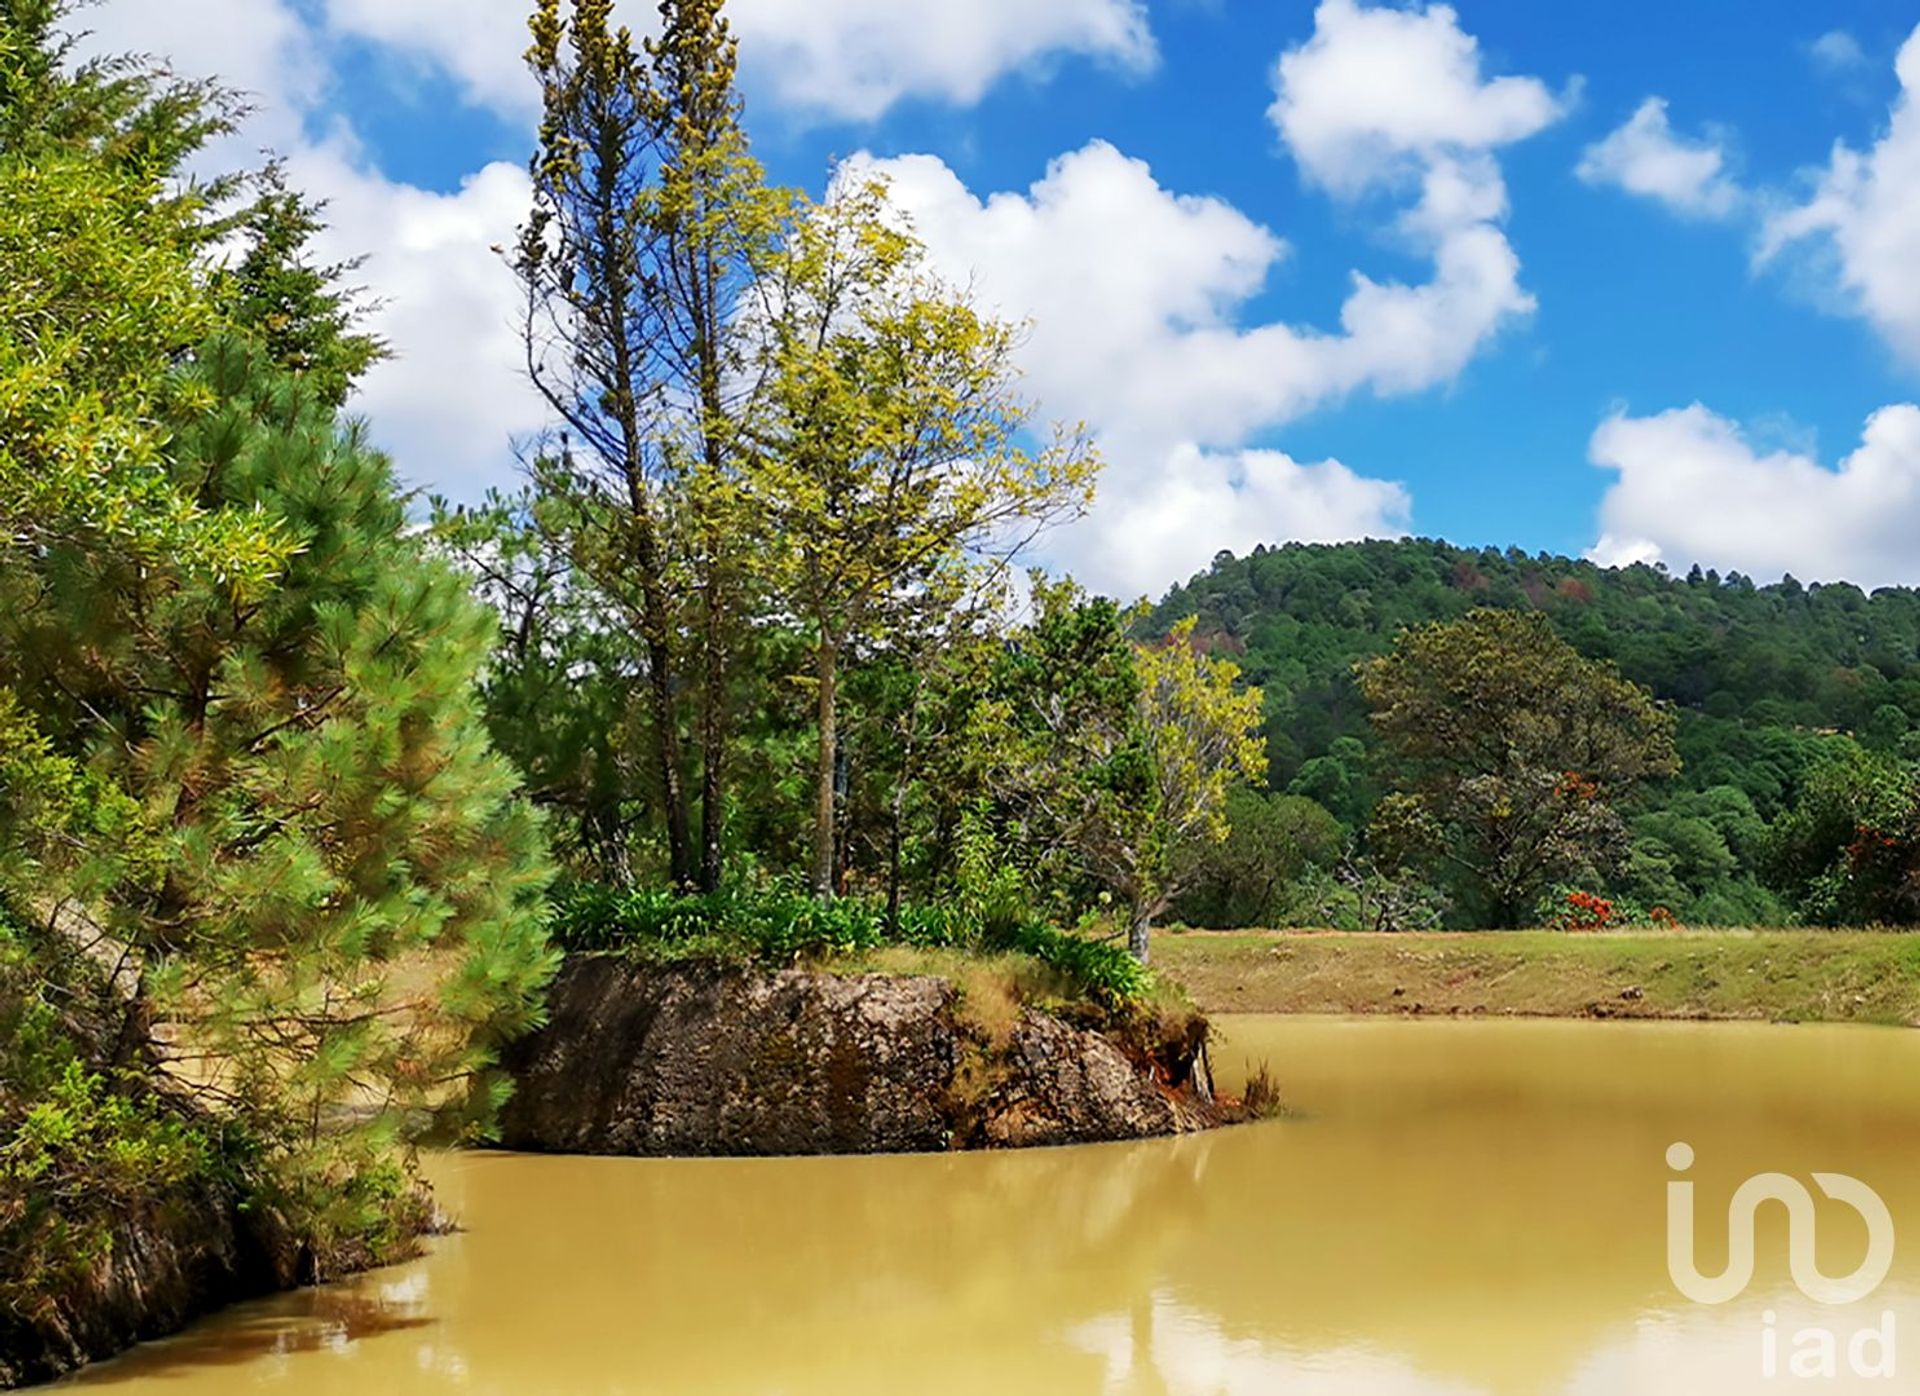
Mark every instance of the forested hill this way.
pixel 1765 677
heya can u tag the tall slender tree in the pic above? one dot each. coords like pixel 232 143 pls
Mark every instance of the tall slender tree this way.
pixel 650 232
pixel 716 224
pixel 895 457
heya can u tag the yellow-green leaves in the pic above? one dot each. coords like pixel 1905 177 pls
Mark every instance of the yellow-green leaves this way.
pixel 99 298
pixel 896 443
pixel 1204 731
pixel 892 454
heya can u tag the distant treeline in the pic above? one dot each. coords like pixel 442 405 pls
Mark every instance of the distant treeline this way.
pixel 1771 684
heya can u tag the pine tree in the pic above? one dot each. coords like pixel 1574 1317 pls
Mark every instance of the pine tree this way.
pixel 349 914
pixel 303 312
pixel 643 260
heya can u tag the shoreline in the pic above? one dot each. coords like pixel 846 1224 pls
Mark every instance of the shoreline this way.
pixel 1869 977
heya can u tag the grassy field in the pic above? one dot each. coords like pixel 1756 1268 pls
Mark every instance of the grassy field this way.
pixel 1790 976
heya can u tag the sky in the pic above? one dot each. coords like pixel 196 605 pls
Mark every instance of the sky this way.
pixel 1633 280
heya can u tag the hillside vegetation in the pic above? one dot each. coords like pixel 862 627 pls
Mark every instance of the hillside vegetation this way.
pixel 1769 683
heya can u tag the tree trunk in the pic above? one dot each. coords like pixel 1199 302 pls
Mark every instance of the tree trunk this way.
pixel 713 739
pixel 1139 924
pixel 893 855
pixel 666 741
pixel 655 630
pixel 714 714
pixel 826 672
pixel 673 795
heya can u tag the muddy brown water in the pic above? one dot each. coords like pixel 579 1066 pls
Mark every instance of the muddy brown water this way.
pixel 1455 1207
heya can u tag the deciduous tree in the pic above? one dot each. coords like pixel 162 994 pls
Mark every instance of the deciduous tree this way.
pixel 1119 755
pixel 1512 752
pixel 893 459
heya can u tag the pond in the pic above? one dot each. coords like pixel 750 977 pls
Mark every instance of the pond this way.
pixel 1454 1207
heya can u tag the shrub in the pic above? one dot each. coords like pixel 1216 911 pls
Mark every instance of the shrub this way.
pixel 780 925
pixel 83 1148
pixel 1574 910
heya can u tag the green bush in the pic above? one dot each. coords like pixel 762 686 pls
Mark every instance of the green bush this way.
pixel 83 1149
pixel 780 925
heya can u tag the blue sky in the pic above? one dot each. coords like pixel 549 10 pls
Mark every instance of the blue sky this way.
pixel 1713 296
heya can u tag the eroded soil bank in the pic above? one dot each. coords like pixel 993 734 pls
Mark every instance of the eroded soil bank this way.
pixel 715 1059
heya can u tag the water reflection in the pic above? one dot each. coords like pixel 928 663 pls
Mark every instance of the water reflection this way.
pixel 1460 1208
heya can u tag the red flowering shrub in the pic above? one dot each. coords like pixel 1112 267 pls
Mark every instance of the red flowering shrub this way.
pixel 1584 911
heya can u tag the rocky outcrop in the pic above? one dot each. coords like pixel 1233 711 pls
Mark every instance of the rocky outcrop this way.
pixel 189 1256
pixel 709 1059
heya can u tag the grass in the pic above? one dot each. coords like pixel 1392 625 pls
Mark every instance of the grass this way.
pixel 993 989
pixel 1782 976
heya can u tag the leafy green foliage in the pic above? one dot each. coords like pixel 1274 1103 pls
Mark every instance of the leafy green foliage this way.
pixel 301 312
pixel 892 458
pixel 1258 874
pixel 100 297
pixel 122 112
pixel 83 1148
pixel 1512 751
pixel 348 902
pixel 779 926
pixel 1849 852
pixel 1116 755
pixel 1766 683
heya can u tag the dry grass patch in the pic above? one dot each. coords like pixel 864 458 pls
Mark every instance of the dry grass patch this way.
pixel 1772 975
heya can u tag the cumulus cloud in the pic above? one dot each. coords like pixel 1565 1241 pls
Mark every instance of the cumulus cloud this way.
pixel 1693 487
pixel 857 58
pixel 1379 94
pixel 1148 338
pixel 451 400
pixel 1647 158
pixel 1863 219
pixel 480 44
pixel 1149 529
pixel 848 59
pixel 1144 339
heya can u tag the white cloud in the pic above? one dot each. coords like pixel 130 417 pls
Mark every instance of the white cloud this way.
pixel 851 59
pixel 1645 157
pixel 857 58
pixel 1837 51
pixel 1379 94
pixel 1138 296
pixel 1864 217
pixel 481 44
pixel 1141 337
pixel 1693 488
pixel 451 401
pixel 261 49
pixel 1149 530
pixel 1141 333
